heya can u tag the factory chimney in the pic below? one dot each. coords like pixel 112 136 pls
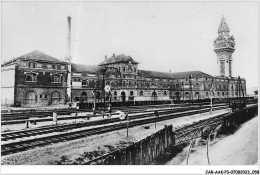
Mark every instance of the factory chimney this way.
pixel 68 60
pixel 68 55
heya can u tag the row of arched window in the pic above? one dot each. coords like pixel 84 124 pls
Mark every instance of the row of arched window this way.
pixel 31 97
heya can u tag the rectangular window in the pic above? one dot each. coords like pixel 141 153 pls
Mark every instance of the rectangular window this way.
pixel 39 65
pixel 46 96
pixel 84 82
pixel 31 77
pixel 49 66
pixel 55 78
pixel 32 65
pixel 24 64
pixel 41 96
pixel 58 67
pixel 62 67
pixel 53 66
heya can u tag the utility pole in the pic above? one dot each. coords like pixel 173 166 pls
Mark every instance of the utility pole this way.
pixel 94 107
pixel 104 92
pixel 228 91
pixel 190 82
pixel 127 123
pixel 239 88
pixel 182 91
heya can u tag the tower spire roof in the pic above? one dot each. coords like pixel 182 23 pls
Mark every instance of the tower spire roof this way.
pixel 223 27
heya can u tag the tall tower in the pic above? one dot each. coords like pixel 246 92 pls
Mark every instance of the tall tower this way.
pixel 68 59
pixel 224 46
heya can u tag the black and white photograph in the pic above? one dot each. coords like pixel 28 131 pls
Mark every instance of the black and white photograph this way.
pixel 172 85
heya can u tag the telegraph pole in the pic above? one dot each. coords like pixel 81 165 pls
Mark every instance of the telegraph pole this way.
pixel 191 96
pixel 182 91
pixel 94 107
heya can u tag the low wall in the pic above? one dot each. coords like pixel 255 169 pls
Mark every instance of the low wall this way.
pixel 239 117
pixel 147 150
pixel 140 153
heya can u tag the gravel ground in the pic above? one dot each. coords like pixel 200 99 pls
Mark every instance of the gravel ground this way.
pixel 22 126
pixel 48 155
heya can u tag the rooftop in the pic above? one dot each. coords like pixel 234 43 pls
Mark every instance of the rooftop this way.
pixel 118 59
pixel 36 56
pixel 223 27
pixel 85 68
pixel 155 74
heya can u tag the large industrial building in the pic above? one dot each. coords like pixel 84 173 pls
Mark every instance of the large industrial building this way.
pixel 36 79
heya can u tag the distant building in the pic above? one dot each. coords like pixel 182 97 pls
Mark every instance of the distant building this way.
pixel 128 83
pixel 39 79
pixel 34 79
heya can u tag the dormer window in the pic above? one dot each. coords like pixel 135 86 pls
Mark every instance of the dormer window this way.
pixel 24 64
pixel 31 77
pixel 39 65
pixel 56 78
pixel 32 65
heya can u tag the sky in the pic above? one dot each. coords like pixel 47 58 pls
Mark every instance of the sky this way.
pixel 162 36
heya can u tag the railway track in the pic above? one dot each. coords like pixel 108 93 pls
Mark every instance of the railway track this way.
pixel 59 128
pixel 19 146
pixel 17 118
pixel 39 114
pixel 195 130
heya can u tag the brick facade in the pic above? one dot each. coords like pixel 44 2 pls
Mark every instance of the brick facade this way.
pixel 40 96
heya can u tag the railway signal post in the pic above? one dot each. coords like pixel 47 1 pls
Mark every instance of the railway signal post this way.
pixel 94 105
pixel 156 113
pixel 27 123
pixel 127 123
pixel 212 93
pixel 190 83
